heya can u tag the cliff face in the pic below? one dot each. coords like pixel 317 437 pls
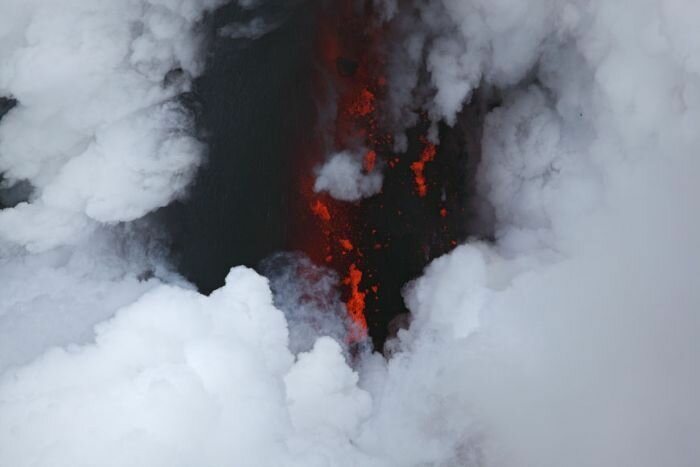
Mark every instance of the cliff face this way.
pixel 254 106
pixel 272 110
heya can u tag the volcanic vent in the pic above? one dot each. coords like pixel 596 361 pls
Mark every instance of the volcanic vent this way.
pixel 313 91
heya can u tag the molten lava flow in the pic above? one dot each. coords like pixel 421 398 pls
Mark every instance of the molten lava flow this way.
pixel 370 161
pixel 418 168
pixel 349 85
pixel 356 304
pixel 321 211
pixel 322 91
pixel 379 243
pixel 363 104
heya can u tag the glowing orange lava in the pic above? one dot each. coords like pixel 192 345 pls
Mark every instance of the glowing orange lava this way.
pixel 321 211
pixel 378 243
pixel 418 167
pixel 356 303
pixel 370 161
pixel 350 87
pixel 350 82
pixel 363 104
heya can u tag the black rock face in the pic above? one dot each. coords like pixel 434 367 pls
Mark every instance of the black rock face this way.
pixel 6 104
pixel 11 194
pixel 346 67
pixel 255 107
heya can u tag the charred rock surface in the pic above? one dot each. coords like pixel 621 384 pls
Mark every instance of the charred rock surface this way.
pixel 255 103
pixel 270 111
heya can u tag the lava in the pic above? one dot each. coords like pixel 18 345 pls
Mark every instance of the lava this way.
pixel 356 304
pixel 348 84
pixel 363 104
pixel 418 168
pixel 321 211
pixel 370 161
pixel 376 244
pixel 321 89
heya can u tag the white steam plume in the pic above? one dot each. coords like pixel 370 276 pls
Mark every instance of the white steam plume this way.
pixel 254 29
pixel 344 178
pixel 96 131
pixel 309 297
pixel 96 139
pixel 571 340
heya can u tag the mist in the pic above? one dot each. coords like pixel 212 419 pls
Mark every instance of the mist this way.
pixel 567 336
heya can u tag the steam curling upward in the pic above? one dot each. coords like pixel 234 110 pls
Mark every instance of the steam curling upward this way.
pixel 564 331
pixel 367 183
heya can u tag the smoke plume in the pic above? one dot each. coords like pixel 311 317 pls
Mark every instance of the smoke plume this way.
pixel 569 338
pixel 344 178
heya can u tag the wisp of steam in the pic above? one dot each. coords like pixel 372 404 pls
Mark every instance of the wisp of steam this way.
pixel 571 338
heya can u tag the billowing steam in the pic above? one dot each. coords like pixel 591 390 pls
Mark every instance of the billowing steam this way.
pixel 254 29
pixel 96 138
pixel 308 296
pixel 97 132
pixel 570 339
pixel 346 178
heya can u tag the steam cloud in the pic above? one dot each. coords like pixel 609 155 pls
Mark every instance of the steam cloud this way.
pixel 570 340
pixel 342 176
pixel 97 140
pixel 254 29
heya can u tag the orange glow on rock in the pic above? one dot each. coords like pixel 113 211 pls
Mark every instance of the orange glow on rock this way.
pixel 363 241
pixel 356 303
pixel 418 168
pixel 321 211
pixel 363 104
pixel 370 161
pixel 351 87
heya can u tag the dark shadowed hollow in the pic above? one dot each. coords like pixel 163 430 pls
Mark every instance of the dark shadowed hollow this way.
pixel 14 193
pixel 255 106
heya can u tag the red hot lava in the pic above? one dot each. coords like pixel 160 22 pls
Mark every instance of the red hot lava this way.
pixel 351 88
pixel 418 167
